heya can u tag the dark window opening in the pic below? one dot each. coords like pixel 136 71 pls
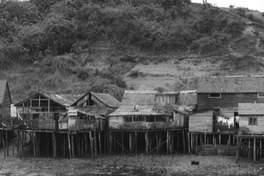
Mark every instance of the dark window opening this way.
pixel 214 95
pixel 252 121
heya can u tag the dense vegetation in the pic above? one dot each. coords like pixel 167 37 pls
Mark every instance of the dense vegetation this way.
pixel 60 38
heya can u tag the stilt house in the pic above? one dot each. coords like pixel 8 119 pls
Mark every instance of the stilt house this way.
pixel 145 110
pixel 5 103
pixel 42 110
pixel 89 112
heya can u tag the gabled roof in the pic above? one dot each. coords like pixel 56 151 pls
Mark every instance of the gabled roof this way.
pixel 107 99
pixel 2 90
pixel 188 98
pixel 62 99
pixel 94 110
pixel 138 103
pixel 227 84
pixel 250 108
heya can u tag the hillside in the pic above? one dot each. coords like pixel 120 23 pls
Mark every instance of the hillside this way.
pixel 72 46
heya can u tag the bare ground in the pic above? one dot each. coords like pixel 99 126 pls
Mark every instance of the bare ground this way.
pixel 130 165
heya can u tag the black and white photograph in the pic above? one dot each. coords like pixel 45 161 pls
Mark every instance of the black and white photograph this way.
pixel 131 87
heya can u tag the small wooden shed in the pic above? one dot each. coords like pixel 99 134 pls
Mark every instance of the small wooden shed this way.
pixel 251 118
pixel 5 102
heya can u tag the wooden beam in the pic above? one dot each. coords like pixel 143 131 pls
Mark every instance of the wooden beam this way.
pixel 136 141
pixel 100 142
pixel 183 142
pixel 72 145
pixel 189 144
pixel 95 143
pixel 130 142
pixel 260 148
pixel 249 152
pixel 146 141
pixel 91 143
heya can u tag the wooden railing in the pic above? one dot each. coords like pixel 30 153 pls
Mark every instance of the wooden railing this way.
pixel 39 124
pixel 97 124
pixel 145 125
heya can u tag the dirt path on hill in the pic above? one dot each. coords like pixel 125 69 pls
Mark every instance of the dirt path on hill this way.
pixel 152 165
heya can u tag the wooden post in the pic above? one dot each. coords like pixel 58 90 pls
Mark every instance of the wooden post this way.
pixel 95 143
pixel 100 144
pixel 72 145
pixel 4 144
pixel 54 145
pixel 157 141
pixel 260 148
pixel 249 152
pixel 130 142
pixel 122 140
pixel 146 141
pixel 254 150
pixel 228 144
pixel 205 138
pixel 110 142
pixel 219 139
pixel 47 136
pixel 91 143
pixel 34 143
pixel 237 149
pixel 69 144
pixel 171 142
pixel 189 144
pixel 136 141
pixel 85 144
pixel 7 143
pixel 183 142
pixel 168 141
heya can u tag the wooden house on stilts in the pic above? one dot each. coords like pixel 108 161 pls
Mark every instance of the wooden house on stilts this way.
pixel 147 121
pixel 64 124
pixel 214 125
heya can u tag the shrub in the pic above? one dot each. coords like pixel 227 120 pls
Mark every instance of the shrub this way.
pixel 235 27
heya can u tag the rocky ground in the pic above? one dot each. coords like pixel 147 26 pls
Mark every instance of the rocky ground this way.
pixel 151 165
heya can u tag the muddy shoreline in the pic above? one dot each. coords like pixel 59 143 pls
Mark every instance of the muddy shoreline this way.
pixel 152 165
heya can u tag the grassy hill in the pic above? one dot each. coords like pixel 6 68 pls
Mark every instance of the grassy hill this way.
pixel 71 46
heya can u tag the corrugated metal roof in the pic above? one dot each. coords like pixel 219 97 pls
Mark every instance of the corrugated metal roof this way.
pixel 230 85
pixel 250 108
pixel 107 99
pixel 2 90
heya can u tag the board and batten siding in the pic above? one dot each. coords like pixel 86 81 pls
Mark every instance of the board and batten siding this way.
pixel 226 100
pixel 245 128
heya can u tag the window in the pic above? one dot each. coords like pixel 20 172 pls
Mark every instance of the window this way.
pixel 214 95
pixel 261 95
pixel 252 121
pixel 128 119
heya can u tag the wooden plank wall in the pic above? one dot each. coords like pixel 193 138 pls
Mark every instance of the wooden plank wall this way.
pixel 226 100
pixel 244 128
pixel 201 122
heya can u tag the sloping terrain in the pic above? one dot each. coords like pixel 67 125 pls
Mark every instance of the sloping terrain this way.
pixel 108 46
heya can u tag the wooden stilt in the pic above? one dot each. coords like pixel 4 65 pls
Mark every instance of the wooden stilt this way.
pixel 157 141
pixel 34 143
pixel 72 145
pixel 136 141
pixel 260 148
pixel 85 144
pixel 18 143
pixel 237 149
pixel 122 141
pixel 7 143
pixel 196 144
pixel 189 143
pixel 168 141
pixel 47 136
pixel 130 142
pixel 64 144
pixel 254 149
pixel 91 143
pixel 69 144
pixel 183 142
pixel 249 148
pixel 100 143
pixel 95 143
pixel 219 139
pixel 54 143
pixel 171 142
pixel 205 141
pixel 146 141
pixel 110 142
pixel 228 144
pixel 4 144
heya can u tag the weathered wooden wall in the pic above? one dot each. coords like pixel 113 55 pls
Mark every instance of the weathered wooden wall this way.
pixel 245 128
pixel 226 100
pixel 171 99
pixel 201 122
